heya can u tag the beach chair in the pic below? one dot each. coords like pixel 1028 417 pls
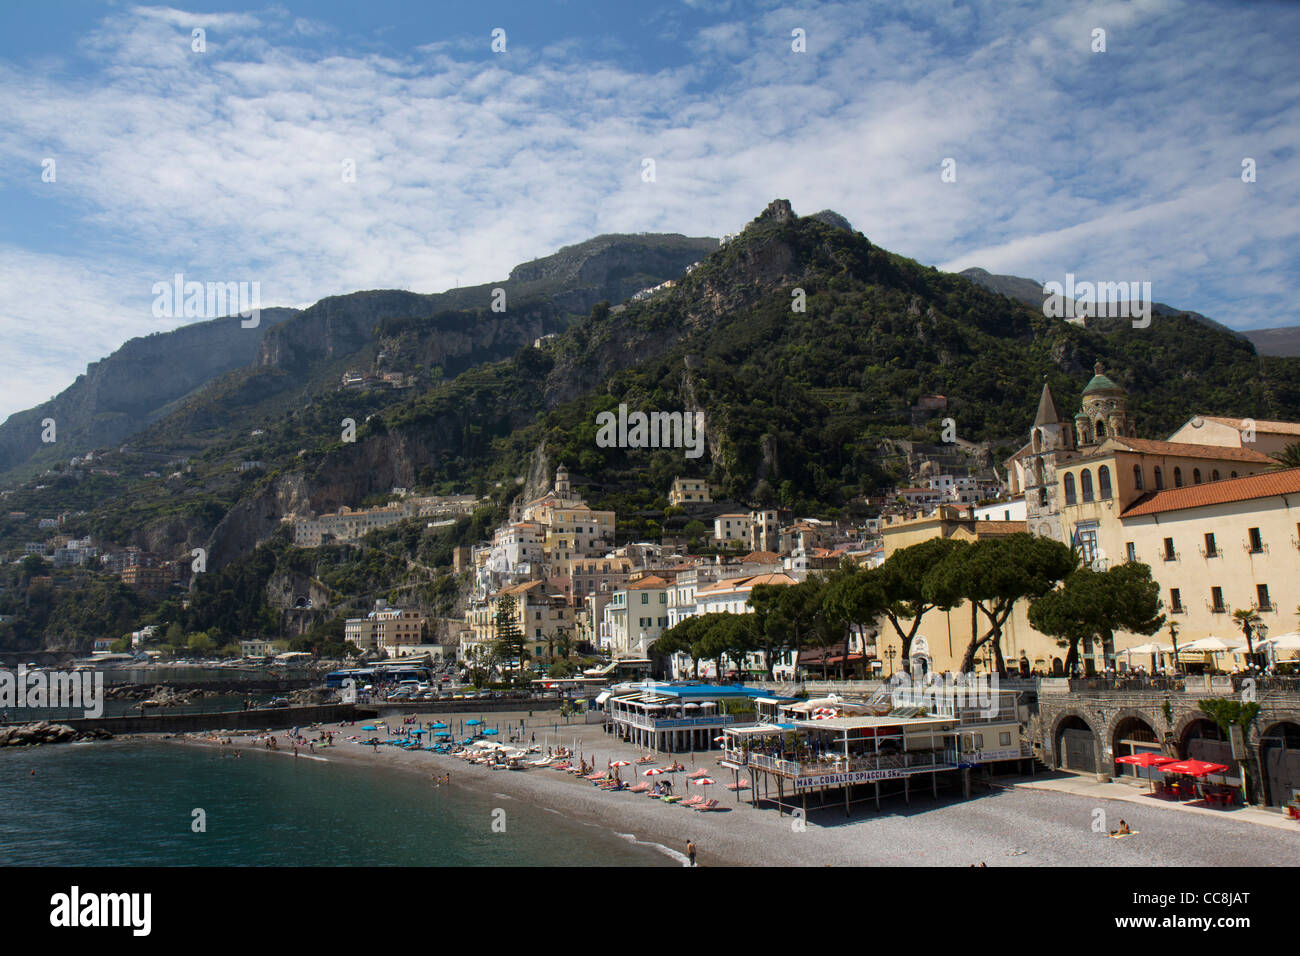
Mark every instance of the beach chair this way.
pixel 639 788
pixel 669 799
pixel 706 805
pixel 742 785
pixel 692 801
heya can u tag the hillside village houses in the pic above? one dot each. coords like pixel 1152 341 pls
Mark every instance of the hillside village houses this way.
pixel 1208 510
pixel 352 524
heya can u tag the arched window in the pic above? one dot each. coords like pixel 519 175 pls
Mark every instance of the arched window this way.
pixel 1038 472
pixel 1038 440
pixel 1178 477
pixel 1196 476
pixel 1160 478
pixel 1214 475
pixel 1085 485
pixel 1103 482
pixel 1069 489
pixel 1234 474
pixel 1101 429
pixel 1137 477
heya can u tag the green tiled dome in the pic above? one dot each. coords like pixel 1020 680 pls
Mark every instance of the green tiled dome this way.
pixel 1100 383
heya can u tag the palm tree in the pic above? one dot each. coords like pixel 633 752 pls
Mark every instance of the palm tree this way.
pixel 1289 457
pixel 1248 620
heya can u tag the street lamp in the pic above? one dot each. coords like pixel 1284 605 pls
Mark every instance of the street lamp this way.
pixel 1261 632
pixel 891 653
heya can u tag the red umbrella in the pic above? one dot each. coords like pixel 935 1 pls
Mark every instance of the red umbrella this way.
pixel 1146 760
pixel 653 772
pixel 1193 768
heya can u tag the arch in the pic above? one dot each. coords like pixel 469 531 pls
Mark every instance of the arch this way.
pixel 1103 483
pixel 1137 477
pixel 1038 472
pixel 1069 488
pixel 1085 485
pixel 1178 477
pixel 1058 667
pixel 1160 479
pixel 1200 738
pixel 1214 475
pixel 1196 476
pixel 1131 732
pixel 1279 761
pixel 1075 743
pixel 1100 429
pixel 1038 440
pixel 1234 474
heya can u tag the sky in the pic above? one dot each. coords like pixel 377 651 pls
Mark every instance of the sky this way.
pixel 996 134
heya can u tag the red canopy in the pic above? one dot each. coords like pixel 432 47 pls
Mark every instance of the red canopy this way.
pixel 1146 760
pixel 1193 768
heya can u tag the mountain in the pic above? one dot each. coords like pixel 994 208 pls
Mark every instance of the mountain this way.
pixel 121 394
pixel 1283 341
pixel 803 345
pixel 1030 292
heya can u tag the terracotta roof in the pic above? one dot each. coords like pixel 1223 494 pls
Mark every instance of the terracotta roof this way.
pixel 766 557
pixel 989 526
pixel 1270 428
pixel 652 581
pixel 745 583
pixel 1217 493
pixel 1187 450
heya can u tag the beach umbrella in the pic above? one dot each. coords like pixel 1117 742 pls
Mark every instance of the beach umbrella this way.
pixel 1146 760
pixel 703 781
pixel 653 772
pixel 490 730
pixel 369 727
pixel 439 726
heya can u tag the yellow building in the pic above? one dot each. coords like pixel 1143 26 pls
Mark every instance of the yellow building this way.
pixel 689 491
pixel 1219 547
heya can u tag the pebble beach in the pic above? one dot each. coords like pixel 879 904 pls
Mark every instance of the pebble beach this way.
pixel 998 826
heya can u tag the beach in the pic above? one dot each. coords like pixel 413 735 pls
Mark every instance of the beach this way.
pixel 1001 826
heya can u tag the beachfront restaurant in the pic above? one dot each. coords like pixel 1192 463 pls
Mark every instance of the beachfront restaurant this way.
pixel 825 754
pixel 678 718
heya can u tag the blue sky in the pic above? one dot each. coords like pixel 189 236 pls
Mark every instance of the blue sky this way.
pixel 225 165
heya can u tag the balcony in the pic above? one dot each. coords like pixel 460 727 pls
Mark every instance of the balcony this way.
pixel 914 761
pixel 653 724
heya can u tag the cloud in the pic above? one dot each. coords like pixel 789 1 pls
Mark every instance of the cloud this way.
pixel 228 165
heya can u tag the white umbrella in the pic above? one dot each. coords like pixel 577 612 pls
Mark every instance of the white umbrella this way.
pixel 1214 645
pixel 1283 642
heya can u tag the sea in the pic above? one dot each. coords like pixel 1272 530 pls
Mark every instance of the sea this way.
pixel 134 803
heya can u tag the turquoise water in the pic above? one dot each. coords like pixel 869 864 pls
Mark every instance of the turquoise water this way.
pixel 130 803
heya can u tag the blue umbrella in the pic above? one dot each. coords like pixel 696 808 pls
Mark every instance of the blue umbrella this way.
pixel 439 726
pixel 490 730
pixel 369 727
pixel 473 722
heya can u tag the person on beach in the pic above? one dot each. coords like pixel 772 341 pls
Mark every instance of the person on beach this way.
pixel 690 851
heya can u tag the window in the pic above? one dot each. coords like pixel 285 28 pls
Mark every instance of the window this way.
pixel 1137 477
pixel 1170 553
pixel 979 741
pixel 1214 475
pixel 1103 483
pixel 1004 739
pixel 1234 474
pixel 1196 476
pixel 1211 548
pixel 1176 600
pixel 1069 489
pixel 1131 551
pixel 1178 477
pixel 1085 485
pixel 645 599
pixel 1088 543
pixel 1216 600
pixel 1256 543
pixel 1160 479
pixel 1261 597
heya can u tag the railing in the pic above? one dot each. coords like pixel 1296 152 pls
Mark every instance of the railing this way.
pixel 672 723
pixel 918 760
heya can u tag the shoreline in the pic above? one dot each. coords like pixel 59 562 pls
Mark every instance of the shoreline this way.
pixel 999 826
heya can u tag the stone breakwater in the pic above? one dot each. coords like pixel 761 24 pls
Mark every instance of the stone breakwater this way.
pixel 44 732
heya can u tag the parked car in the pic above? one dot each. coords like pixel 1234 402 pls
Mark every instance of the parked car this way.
pixel 278 702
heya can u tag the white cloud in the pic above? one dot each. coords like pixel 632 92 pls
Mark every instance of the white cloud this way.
pixel 227 165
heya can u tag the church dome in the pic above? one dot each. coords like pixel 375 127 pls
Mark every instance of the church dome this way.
pixel 1100 383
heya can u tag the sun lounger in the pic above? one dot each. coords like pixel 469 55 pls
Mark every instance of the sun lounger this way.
pixel 670 799
pixel 692 801
pixel 743 785
pixel 706 805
